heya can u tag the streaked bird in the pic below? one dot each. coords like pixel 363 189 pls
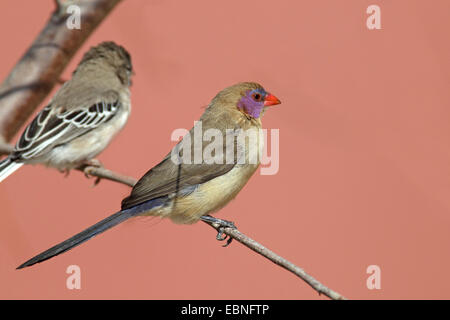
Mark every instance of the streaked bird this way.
pixel 187 192
pixel 83 116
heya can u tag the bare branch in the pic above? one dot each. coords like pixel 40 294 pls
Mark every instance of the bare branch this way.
pixel 103 173
pixel 39 69
pixel 275 258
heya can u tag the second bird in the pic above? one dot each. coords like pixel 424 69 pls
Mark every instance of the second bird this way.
pixel 83 116
pixel 187 191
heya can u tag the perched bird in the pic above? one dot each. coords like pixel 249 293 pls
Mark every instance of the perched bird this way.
pixel 187 192
pixel 83 116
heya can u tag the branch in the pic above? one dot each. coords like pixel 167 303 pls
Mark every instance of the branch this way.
pixel 275 258
pixel 103 173
pixel 35 74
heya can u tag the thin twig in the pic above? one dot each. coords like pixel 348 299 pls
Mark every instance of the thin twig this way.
pixel 103 173
pixel 282 262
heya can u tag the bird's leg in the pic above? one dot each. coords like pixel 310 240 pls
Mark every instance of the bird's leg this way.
pixel 219 225
pixel 85 167
pixel 66 172
pixel 92 163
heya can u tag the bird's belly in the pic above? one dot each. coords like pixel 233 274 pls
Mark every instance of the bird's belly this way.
pixel 85 147
pixel 210 196
pixel 214 194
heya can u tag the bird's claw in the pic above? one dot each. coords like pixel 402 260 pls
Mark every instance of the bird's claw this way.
pixel 97 181
pixel 86 167
pixel 88 175
pixel 221 236
pixel 66 172
pixel 92 163
pixel 220 225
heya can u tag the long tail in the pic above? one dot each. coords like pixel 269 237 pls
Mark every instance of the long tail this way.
pixel 81 237
pixel 7 167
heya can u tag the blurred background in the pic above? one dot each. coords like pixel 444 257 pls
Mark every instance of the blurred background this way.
pixel 364 176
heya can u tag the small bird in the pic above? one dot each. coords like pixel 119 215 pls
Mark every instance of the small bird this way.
pixel 187 192
pixel 83 116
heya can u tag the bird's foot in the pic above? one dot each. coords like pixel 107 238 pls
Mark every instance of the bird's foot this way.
pixel 87 167
pixel 66 172
pixel 92 163
pixel 219 225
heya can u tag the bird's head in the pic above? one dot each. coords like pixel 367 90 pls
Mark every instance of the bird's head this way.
pixel 113 55
pixel 248 97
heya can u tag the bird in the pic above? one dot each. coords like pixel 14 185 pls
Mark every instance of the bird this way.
pixel 82 117
pixel 186 191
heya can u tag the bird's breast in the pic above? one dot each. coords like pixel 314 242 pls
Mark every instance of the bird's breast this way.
pixel 89 145
pixel 214 194
pixel 208 197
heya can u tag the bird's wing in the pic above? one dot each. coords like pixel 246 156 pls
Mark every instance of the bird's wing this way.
pixel 56 125
pixel 169 178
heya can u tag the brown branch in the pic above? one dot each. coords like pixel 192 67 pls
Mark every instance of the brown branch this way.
pixel 275 258
pixel 103 173
pixel 35 74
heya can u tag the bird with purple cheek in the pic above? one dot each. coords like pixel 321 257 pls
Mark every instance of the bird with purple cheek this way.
pixel 188 191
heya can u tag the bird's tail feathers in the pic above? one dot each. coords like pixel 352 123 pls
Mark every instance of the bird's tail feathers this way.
pixel 81 237
pixel 7 167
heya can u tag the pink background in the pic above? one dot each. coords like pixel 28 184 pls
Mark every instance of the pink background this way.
pixel 364 173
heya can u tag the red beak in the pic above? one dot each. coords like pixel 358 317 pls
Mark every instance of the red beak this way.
pixel 271 100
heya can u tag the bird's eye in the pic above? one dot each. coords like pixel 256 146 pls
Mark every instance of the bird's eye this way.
pixel 257 97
